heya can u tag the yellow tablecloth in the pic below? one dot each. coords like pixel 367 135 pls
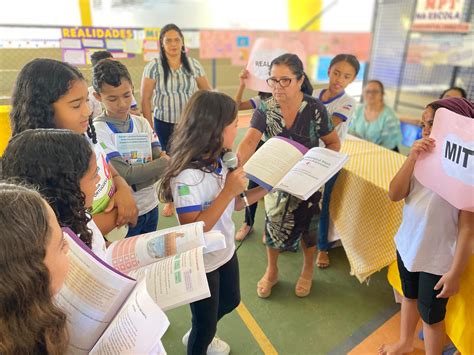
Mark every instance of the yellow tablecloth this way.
pixel 363 215
pixel 5 131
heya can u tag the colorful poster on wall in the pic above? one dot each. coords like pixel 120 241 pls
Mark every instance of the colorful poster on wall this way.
pixel 263 52
pixel 439 16
pixel 449 169
pixel 92 39
pixel 74 56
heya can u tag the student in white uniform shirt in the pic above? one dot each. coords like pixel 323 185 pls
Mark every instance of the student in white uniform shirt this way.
pixel 94 104
pixel 65 177
pixel 202 189
pixel 342 71
pixel 53 94
pixel 434 244
pixel 113 87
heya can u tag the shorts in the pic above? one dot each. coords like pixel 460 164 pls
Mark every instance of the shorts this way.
pixel 420 286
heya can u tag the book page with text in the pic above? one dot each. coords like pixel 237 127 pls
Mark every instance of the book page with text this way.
pixel 135 252
pixel 269 164
pixel 91 296
pixel 176 280
pixel 136 327
pixel 308 175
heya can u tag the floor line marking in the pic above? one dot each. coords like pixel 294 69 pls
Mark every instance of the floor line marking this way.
pixel 255 330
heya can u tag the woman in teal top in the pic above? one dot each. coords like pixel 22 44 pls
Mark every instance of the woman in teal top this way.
pixel 374 121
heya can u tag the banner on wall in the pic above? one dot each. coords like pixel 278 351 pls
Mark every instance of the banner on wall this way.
pixel 449 169
pixel 78 43
pixel 263 52
pixel 439 16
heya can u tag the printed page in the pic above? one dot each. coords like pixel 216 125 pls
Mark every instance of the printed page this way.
pixel 92 294
pixel 308 175
pixel 269 164
pixel 134 147
pixel 135 252
pixel 176 280
pixel 136 327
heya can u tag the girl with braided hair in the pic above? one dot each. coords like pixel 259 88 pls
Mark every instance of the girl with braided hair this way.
pixel 52 94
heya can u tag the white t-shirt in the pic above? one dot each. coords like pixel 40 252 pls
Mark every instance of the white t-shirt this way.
pixel 342 106
pixel 98 241
pixel 194 190
pixel 96 107
pixel 426 239
pixel 255 101
pixel 145 198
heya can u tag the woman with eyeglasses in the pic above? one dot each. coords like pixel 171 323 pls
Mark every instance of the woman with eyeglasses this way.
pixel 293 113
pixel 171 80
pixel 374 121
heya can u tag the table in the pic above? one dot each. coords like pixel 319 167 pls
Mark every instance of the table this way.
pixel 365 219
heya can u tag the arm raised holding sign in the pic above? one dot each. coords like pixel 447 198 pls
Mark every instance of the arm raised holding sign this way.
pixel 435 240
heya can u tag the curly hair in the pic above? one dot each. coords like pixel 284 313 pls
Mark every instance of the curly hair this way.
pixel 39 85
pixel 109 72
pixel 44 158
pixel 30 322
pixel 197 141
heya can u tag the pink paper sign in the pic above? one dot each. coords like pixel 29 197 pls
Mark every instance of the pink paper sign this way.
pixel 449 169
pixel 263 52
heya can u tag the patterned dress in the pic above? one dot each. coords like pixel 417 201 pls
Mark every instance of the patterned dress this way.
pixel 288 219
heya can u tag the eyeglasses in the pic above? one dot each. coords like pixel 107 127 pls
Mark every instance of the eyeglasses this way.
pixel 284 82
pixel 375 92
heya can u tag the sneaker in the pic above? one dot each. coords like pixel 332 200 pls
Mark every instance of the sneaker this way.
pixel 216 347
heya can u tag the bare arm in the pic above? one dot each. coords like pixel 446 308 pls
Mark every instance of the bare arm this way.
pixel 336 120
pixel 399 187
pixel 235 184
pixel 147 87
pixel 449 282
pixel 248 145
pixel 203 83
pixel 106 221
pixel 253 196
pixel 332 141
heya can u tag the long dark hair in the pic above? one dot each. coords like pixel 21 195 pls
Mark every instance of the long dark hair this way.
pixel 44 158
pixel 197 141
pixel 39 85
pixel 349 58
pixel 295 64
pixel 164 60
pixel 30 321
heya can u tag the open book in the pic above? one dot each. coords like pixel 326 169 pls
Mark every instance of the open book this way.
pixel 111 312
pixel 286 165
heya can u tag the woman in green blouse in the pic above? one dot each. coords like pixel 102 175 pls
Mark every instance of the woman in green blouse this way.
pixel 374 121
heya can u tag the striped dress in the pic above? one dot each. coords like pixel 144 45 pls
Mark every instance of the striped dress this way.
pixel 170 98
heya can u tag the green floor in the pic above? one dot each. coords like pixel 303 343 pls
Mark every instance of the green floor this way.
pixel 337 315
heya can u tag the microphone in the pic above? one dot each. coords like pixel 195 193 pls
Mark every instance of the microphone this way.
pixel 231 162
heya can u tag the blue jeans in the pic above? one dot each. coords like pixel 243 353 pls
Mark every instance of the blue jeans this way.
pixel 146 223
pixel 164 130
pixel 323 243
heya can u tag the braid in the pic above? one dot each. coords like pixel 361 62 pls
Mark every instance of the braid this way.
pixel 91 131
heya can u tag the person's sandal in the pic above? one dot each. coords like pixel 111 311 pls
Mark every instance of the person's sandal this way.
pixel 243 232
pixel 264 287
pixel 168 210
pixel 303 287
pixel 322 260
